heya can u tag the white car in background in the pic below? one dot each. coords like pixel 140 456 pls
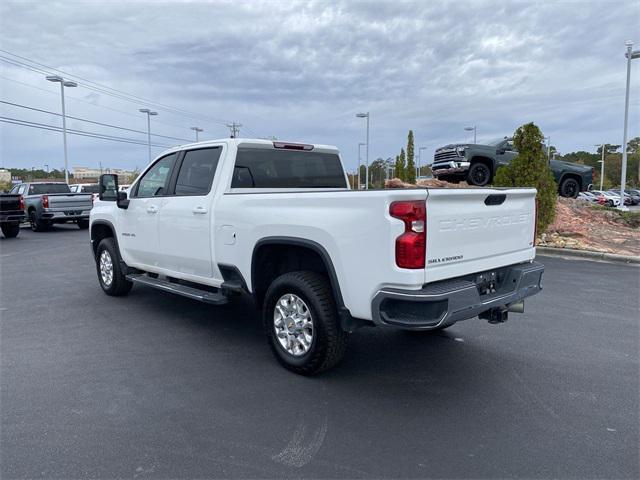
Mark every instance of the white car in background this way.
pixel 92 188
pixel 607 198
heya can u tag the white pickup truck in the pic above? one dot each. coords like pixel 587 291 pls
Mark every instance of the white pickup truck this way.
pixel 278 220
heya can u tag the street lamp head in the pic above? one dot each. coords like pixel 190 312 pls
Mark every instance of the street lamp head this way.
pixel 144 110
pixel 628 43
pixel 153 113
pixel 197 129
pixel 68 83
pixel 54 78
pixel 469 129
pixel 361 144
pixel 362 115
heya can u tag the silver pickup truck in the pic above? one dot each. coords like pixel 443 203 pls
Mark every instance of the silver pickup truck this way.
pixel 47 203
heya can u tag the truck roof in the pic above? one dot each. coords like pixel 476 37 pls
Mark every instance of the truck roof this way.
pixel 256 142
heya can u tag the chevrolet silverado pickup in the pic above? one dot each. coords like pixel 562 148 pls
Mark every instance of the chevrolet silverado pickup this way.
pixel 477 164
pixel 277 220
pixel 11 214
pixel 47 203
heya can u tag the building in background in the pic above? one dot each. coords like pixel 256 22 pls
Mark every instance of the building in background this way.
pixel 84 174
pixel 5 176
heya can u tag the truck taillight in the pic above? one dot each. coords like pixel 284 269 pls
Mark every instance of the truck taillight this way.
pixel 411 245
pixel 21 202
pixel 45 201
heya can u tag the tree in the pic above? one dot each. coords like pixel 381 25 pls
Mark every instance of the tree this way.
pixel 608 148
pixel 410 172
pixel 531 169
pixel 633 145
pixel 400 166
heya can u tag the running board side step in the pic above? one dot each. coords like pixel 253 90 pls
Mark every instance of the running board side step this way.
pixel 214 298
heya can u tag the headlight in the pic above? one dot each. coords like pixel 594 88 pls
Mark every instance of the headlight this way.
pixel 461 150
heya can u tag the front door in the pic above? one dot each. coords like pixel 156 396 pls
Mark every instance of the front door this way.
pixel 138 239
pixel 185 222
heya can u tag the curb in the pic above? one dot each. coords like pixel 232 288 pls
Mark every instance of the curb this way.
pixel 587 254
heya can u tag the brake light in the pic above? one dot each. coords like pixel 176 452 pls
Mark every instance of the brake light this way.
pixel 292 146
pixel 45 201
pixel 411 245
pixel 21 202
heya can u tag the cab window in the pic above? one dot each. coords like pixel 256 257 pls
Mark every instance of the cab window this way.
pixel 197 171
pixel 155 181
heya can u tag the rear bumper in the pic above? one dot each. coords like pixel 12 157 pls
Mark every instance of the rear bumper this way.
pixel 65 216
pixel 12 217
pixel 444 303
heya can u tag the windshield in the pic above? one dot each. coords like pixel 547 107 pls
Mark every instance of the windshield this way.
pixel 496 141
pixel 42 188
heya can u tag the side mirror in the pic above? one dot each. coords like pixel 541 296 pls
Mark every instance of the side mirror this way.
pixel 108 187
pixel 501 151
pixel 122 201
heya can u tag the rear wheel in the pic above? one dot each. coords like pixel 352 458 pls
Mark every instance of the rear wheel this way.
pixel 83 224
pixel 569 188
pixel 37 224
pixel 10 230
pixel 301 323
pixel 479 174
pixel 109 267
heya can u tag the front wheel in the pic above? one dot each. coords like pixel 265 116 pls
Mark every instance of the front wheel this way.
pixel 301 323
pixel 569 188
pixel 83 224
pixel 10 230
pixel 112 278
pixel 479 174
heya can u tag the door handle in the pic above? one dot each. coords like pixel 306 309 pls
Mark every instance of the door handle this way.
pixel 199 210
pixel 152 209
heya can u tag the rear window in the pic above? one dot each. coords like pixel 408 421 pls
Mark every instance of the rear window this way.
pixel 42 188
pixel 91 188
pixel 262 168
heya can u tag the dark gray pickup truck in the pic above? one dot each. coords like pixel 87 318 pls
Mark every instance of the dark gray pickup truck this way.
pixel 47 203
pixel 477 164
pixel 11 214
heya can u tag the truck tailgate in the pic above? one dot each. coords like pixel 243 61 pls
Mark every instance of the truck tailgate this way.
pixel 70 201
pixel 472 230
pixel 9 203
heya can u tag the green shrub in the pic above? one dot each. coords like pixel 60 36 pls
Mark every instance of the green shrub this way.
pixel 531 169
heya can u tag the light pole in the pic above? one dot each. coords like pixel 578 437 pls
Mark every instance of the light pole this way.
pixel 623 175
pixel 63 83
pixel 366 169
pixel 601 162
pixel 548 139
pixel 359 161
pixel 149 113
pixel 47 167
pixel 468 129
pixel 196 129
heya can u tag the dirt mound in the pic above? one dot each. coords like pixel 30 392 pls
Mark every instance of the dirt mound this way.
pixel 583 226
pixel 431 183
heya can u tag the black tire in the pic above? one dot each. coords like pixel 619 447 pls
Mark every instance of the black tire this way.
pixel 609 203
pixel 479 174
pixel 10 230
pixel 329 341
pixel 83 224
pixel 119 285
pixel 569 188
pixel 37 224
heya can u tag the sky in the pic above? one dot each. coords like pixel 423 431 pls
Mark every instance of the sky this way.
pixel 300 71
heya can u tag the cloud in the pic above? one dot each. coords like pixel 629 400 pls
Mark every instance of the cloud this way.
pixel 301 70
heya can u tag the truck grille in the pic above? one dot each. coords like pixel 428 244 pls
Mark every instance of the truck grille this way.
pixel 445 156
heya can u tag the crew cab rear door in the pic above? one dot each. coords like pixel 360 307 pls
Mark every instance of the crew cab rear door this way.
pixel 473 230
pixel 185 219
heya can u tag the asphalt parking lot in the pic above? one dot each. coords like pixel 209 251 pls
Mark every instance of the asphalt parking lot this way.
pixel 158 386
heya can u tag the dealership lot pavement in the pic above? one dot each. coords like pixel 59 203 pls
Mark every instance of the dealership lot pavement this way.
pixel 156 386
